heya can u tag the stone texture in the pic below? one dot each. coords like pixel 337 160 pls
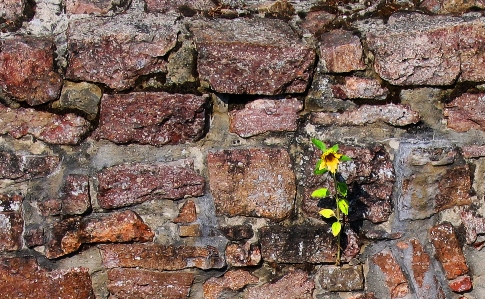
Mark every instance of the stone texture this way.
pixel 188 213
pixel 144 284
pixel 190 230
pixel 50 207
pixel 448 250
pixel 448 6
pixel 34 235
pixel 76 200
pixel 27 70
pixel 473 151
pixel 26 167
pixel 231 280
pixel 243 255
pixel 461 284
pixel 296 284
pixel 359 88
pixel 11 13
pixel 24 278
pixel 297 244
pixel 116 51
pixel 370 176
pixel 160 257
pixel 418 266
pixel 45 126
pixel 128 184
pixel 261 116
pixel 237 232
pixel 431 181
pixel 66 236
pixel 235 60
pixel 252 182
pixel 182 65
pixel 341 52
pixel 315 21
pixel 474 225
pixel 394 277
pixel 183 6
pixel 154 118
pixel 395 115
pixel 342 279
pixel 95 7
pixel 83 97
pixel 11 222
pixel 466 112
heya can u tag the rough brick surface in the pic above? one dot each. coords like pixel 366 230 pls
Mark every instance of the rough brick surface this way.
pixel 12 12
pixel 298 244
pixel 342 279
pixel 237 232
pixel 235 60
pixel 129 184
pixel 76 200
pixel 144 284
pixel 252 182
pixel 26 167
pixel 396 115
pixel 243 255
pixel 159 257
pixel 341 52
pixel 187 213
pixel 262 116
pixel 447 6
pixel 11 222
pixel 98 46
pixel 394 277
pixel 27 70
pixel 316 21
pixel 48 127
pixel 154 118
pixel 296 284
pixel 466 112
pixel 96 7
pixel 24 278
pixel 83 97
pixel 231 280
pixel 359 88
pixel 474 225
pixel 68 235
pixel 187 7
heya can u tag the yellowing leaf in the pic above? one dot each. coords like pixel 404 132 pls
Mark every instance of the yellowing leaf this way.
pixel 327 213
pixel 320 193
pixel 343 205
pixel 336 227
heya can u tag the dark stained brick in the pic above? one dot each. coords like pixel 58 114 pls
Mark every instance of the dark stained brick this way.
pixel 11 222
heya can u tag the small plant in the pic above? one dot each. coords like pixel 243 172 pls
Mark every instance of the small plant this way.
pixel 329 162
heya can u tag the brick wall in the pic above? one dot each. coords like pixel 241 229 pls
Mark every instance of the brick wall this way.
pixel 162 149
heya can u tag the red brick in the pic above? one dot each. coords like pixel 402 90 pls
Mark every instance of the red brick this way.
pixel 11 222
pixel 359 88
pixel 396 282
pixel 179 5
pixel 12 13
pixel 231 280
pixel 76 200
pixel 96 7
pixel 315 21
pixel 27 70
pixel 341 52
pixel 461 284
pixel 154 118
pixel 235 60
pixel 296 284
pixel 19 167
pixel 243 255
pixel 187 213
pixel 252 182
pixel 261 116
pixel 466 112
pixel 129 184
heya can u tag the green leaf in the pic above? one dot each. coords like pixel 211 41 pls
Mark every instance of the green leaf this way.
pixel 334 148
pixel 336 227
pixel 342 188
pixel 345 158
pixel 327 213
pixel 318 143
pixel 320 193
pixel 343 205
pixel 317 168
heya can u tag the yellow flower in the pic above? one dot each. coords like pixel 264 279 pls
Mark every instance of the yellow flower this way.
pixel 330 160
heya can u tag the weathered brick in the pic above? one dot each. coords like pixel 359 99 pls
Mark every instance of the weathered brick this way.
pixel 448 250
pixel 145 284
pixel 237 232
pixel 296 284
pixel 95 7
pixel 359 88
pixel 25 167
pixel 298 244
pixel 461 284
pixel 341 52
pixel 473 151
pixel 160 257
pixel 418 265
pixel 11 222
pixel 252 182
pixel 261 116
pixel 97 47
pixel 188 213
pixel 183 6
pixel 27 70
pixel 189 230
pixel 129 184
pixel 76 200
pixel 34 235
pixel 48 127
pixel 66 236
pixel 315 21
pixel 83 97
pixel 466 112
pixel 231 280
pixel 396 115
pixel 235 60
pixel 342 279
pixel 450 6
pixel 154 118
pixel 394 277
pixel 24 278
pixel 474 225
pixel 243 255
pixel 12 13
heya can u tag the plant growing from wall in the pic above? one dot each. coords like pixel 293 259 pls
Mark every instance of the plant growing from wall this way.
pixel 329 162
